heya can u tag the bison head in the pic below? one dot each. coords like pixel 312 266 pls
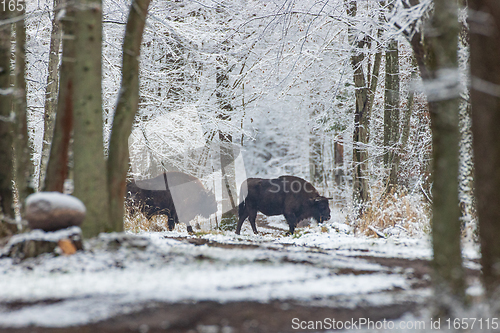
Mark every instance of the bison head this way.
pixel 320 209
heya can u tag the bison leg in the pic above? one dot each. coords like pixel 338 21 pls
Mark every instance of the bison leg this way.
pixel 291 219
pixel 252 216
pixel 189 228
pixel 243 214
pixel 171 223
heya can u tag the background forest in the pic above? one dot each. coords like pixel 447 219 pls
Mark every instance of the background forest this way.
pixel 278 80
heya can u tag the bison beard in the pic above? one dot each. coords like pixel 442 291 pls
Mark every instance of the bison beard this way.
pixel 290 196
pixel 178 195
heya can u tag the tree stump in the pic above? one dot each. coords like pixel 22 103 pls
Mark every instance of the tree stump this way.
pixel 37 242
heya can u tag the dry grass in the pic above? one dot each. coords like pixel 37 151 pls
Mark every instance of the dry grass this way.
pixel 137 222
pixel 397 212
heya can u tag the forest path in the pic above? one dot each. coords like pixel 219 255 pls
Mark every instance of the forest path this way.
pixel 262 283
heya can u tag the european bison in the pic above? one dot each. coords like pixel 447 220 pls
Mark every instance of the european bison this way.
pixel 290 196
pixel 178 195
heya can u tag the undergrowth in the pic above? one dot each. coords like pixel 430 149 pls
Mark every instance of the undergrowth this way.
pixel 136 222
pixel 395 213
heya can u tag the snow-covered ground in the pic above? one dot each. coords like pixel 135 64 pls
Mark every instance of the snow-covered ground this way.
pixel 328 266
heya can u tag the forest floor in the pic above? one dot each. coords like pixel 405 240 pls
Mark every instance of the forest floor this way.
pixel 175 282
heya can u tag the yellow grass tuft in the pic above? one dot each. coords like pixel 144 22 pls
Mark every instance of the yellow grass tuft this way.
pixel 398 210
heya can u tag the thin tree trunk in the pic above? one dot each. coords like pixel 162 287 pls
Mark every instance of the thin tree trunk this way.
pixel 51 91
pixel 6 123
pixel 316 170
pixel 485 101
pixel 57 166
pixel 128 101
pixel 373 82
pixel 405 133
pixel 361 120
pixel 229 196
pixel 391 112
pixel 22 146
pixel 89 164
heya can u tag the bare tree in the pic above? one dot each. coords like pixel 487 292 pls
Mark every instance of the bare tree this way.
pixel 57 165
pixel 128 101
pixel 364 100
pixel 226 144
pixel 391 112
pixel 52 89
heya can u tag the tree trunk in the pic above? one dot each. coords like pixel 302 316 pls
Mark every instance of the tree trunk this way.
pixel 128 101
pixel 361 117
pixel 316 171
pixel 485 101
pixel 57 165
pixel 436 55
pixel 229 196
pixel 405 132
pixel 21 143
pixel 51 91
pixel 468 212
pixel 6 123
pixel 391 112
pixel 89 164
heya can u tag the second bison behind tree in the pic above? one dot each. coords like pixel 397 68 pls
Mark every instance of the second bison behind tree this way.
pixel 178 195
pixel 290 196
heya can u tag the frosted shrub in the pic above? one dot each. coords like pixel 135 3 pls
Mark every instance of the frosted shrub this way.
pixel 395 213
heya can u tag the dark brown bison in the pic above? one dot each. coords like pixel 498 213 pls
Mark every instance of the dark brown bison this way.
pixel 290 196
pixel 178 195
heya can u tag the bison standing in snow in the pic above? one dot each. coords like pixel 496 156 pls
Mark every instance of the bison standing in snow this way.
pixel 290 196
pixel 178 195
